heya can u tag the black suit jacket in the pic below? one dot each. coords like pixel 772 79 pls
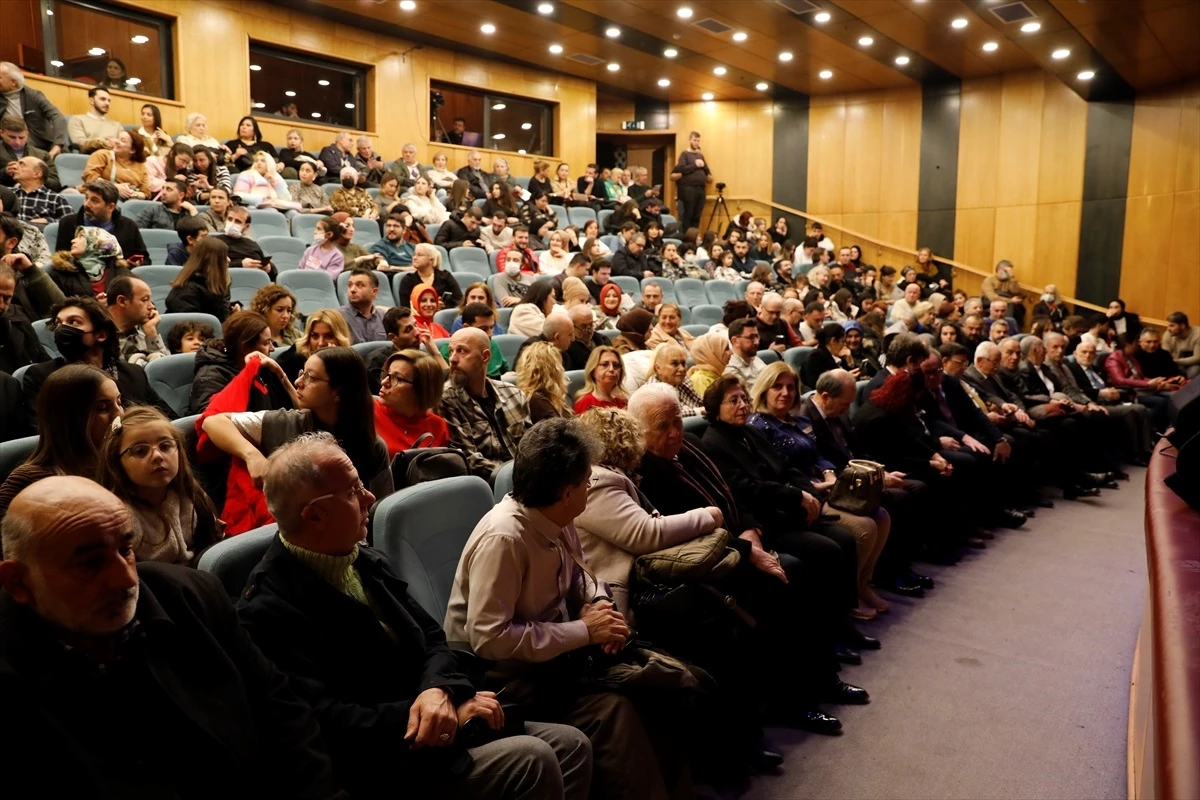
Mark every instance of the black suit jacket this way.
pixel 219 718
pixel 968 416
pixel 47 125
pixel 360 681
pixel 625 263
pixel 481 182
pixel 1033 391
pixel 898 441
pixel 693 481
pixel 832 435
pixel 991 389
pixel 19 344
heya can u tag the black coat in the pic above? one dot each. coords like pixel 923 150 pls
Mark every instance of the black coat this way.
pixel 898 441
pixel 453 233
pixel 360 681
pixel 214 371
pixel 820 361
pixel 13 421
pixel 131 380
pixel 19 343
pixel 72 281
pixel 195 297
pixel 128 234
pixel 241 248
pixel 625 263
pixel 833 435
pixel 968 416
pixel 193 709
pixel 443 283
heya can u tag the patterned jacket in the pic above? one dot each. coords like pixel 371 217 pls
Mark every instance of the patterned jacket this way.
pixel 486 447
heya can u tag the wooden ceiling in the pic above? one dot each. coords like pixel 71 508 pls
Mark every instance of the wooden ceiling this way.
pixel 1130 45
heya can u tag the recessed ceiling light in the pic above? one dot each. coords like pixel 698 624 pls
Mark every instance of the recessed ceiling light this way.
pixel 959 23
pixel 521 151
pixel 866 41
pixel 545 8
pixel 824 16
pixel 408 5
pixel 612 33
pixel 526 126
pixel 255 67
pixel 139 39
pixel 990 46
pixel 133 81
pixel 706 96
pixel 289 93
pixel 825 74
pixel 670 52
pixel 260 105
pixel 498 106
pixel 1086 75
pixel 684 12
pixel 761 86
pixel 1031 27
pixel 664 82
pixel 741 36
pixel 556 48
pixel 719 70
pixel 315 115
pixel 322 83
pixel 488 28
pixel 349 105
pixel 1060 54
pixel 49 12
pixel 497 136
pixel 96 51
pixel 785 56
pixel 56 63
pixel 613 66
pixel 902 60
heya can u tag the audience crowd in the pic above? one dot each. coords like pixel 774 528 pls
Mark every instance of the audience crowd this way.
pixel 685 520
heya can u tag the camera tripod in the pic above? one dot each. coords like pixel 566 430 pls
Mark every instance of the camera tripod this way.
pixel 719 210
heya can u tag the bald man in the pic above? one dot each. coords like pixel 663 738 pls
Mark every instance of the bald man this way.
pixel 487 418
pixel 138 679
pixel 586 339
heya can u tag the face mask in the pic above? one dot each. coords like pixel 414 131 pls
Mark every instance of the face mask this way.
pixel 1047 298
pixel 1005 274
pixel 69 342
pixel 318 238
pixel 232 229
pixel 512 270
pixel 347 183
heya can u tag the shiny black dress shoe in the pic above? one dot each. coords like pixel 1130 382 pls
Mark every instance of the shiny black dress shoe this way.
pixel 847 656
pixel 1100 478
pixel 904 587
pixel 976 543
pixel 815 721
pixel 924 581
pixel 845 694
pixel 1121 475
pixel 763 761
pixel 1011 518
pixel 860 641
pixel 1076 492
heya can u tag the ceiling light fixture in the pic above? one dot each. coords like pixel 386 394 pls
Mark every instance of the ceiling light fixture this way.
pixel 664 82
pixel 866 41
pixel 989 47
pixel 488 28
pixel 322 83
pixel 521 151
pixel 133 81
pixel 824 16
pixel 545 8
pixel 1031 27
pixel 497 136
pixel 684 13
pixel 719 70
pixel 260 105
pixel 526 126
pixel 1086 75
pixel 670 52
pixel 139 39
pixel 959 23
pixel 289 93
pixel 825 74
pixel 56 63
pixel 315 115
pixel 96 51
pixel 49 12
pixel 612 33
pixel 741 36
pixel 706 96
pixel 613 66
pixel 498 106
pixel 761 86
pixel 556 49
pixel 1060 54
pixel 255 67
pixel 408 5
pixel 902 60
pixel 349 105
pixel 785 56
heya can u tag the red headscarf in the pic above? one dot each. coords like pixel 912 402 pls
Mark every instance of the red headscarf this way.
pixel 425 324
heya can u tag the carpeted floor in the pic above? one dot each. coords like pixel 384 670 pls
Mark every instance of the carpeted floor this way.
pixel 1009 680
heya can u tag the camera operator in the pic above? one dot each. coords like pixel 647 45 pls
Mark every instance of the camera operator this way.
pixel 691 176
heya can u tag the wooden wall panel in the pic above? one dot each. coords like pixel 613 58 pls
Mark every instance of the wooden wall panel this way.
pixel 1062 145
pixel 1019 151
pixel 826 158
pixel 1056 251
pixel 979 139
pixel 737 138
pixel 864 153
pixel 612 111
pixel 1161 254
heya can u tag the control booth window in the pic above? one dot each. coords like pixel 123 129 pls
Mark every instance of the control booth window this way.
pixel 295 85
pixel 90 42
pixel 475 118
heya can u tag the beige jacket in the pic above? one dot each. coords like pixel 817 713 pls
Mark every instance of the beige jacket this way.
pixel 615 529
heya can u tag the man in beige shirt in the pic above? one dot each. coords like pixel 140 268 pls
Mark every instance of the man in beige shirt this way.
pixel 1004 286
pixel 94 130
pixel 523 596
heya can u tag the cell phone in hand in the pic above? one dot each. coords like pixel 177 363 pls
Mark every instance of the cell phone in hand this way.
pixel 266 261
pixel 136 259
pixel 780 339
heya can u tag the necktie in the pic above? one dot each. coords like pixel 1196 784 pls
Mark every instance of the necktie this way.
pixel 944 406
pixel 1094 378
pixel 974 395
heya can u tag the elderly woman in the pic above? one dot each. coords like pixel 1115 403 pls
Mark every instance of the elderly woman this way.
pixel 677 477
pixel 670 367
pixel 427 270
pixel 352 198
pixel 1051 305
pixel 669 329
pixel 124 165
pixel 410 388
pixel 602 381
pixel 261 187
pixel 196 126
pixel 540 376
pixel 711 352
pixel 775 399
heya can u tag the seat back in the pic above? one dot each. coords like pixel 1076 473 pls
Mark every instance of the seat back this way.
pixel 171 377
pixel 280 245
pixel 470 259
pixel 233 559
pixel 51 234
pixel 796 356
pixel 611 241
pixel 668 220
pixel 154 237
pixel 697 329
pixel 768 356
pixel 368 349
pixel 575 380
pixel 13 453
pixel 689 292
pixel 719 292
pixel 168 321
pixel 159 280
pixel 629 285
pixel 70 170
pixel 504 483
pixel 303 226
pixel 510 345
pixel 366 231
pixel 580 215
pixel 561 213
pixel 602 217
pixel 445 317
pixel 45 336
pixel 695 425
pixel 707 314
pixel 422 529
pixel 132 208
pixel 860 396
pixel 244 283
pixel 313 288
pixel 268 222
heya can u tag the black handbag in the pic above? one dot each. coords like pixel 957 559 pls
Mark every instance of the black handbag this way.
pixel 421 464
pixel 859 489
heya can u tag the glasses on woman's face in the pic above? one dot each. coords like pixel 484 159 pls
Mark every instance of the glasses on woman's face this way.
pixel 142 450
pixel 393 379
pixel 735 400
pixel 308 377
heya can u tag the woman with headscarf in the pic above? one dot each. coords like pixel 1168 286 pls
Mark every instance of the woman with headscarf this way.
pixel 261 187
pixel 424 301
pixel 858 354
pixel 634 325
pixel 87 269
pixel 608 310
pixel 711 353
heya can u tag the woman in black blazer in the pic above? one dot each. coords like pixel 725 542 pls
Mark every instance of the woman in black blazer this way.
pixel 831 343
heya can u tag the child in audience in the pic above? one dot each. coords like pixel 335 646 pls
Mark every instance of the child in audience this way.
pixel 188 337
pixel 143 462
pixel 323 252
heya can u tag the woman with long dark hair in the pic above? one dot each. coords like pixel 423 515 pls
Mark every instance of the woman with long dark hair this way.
pixel 153 136
pixel 219 361
pixel 208 174
pixel 202 285
pixel 248 142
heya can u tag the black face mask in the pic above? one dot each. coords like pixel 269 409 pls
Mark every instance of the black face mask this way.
pixel 348 183
pixel 69 342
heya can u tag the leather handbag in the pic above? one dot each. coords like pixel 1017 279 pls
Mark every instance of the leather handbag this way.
pixel 859 489
pixel 420 464
pixel 705 558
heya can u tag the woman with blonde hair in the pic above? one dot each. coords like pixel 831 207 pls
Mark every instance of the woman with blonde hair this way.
pixel 424 205
pixel 711 352
pixel 602 381
pixel 277 305
pixel 196 126
pixel 324 329
pixel 774 401
pixel 438 175
pixel 670 367
pixel 427 271
pixel 262 187
pixel 669 328
pixel 557 257
pixel 540 376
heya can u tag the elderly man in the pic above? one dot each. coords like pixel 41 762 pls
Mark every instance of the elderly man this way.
pixel 912 296
pixel 585 337
pixel 14 146
pixel 100 654
pixel 35 201
pixel 394 702
pixel 100 210
pixel 486 418
pixel 754 294
pixel 94 130
pixel 46 124
pixel 406 168
pixel 631 259
pixel 338 156
pixel 35 293
pixel 1003 286
pixel 480 181
pixel 170 209
pixel 744 342
pixel 524 597
pixel 558 330
pixel 132 308
pixel 772 329
pixel 372 166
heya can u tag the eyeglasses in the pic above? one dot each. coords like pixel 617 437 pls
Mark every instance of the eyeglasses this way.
pixel 356 490
pixel 308 377
pixel 142 450
pixel 389 378
pixel 735 401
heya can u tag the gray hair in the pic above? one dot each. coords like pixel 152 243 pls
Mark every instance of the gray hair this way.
pixel 15 73
pixel 360 141
pixel 7 273
pixel 42 170
pixel 649 398
pixel 408 145
pixel 556 323
pixel 1052 336
pixel 191 119
pixel 432 252
pixel 16 533
pixel 351 171
pixel 834 382
pixel 986 350
pixel 344 135
pixel 1028 343
pixel 771 297
pixel 554 454
pixel 292 472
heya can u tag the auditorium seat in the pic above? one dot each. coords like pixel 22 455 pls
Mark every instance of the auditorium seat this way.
pixel 303 226
pixel 313 289
pixel 522 181
pixel 51 234
pixel 690 292
pixel 609 334
pixel 719 293
pixel 155 237
pixel 494 262
pixel 158 278
pixel 697 329
pixel 768 356
pixel 860 396
pixel 171 377
pixel 432 230
pixel 611 241
pixel 422 529
pixel 739 288
pixel 45 336
pixel 445 317
pixel 268 222
pixel 70 169
pixel 169 321
pixel 575 380
pixel 280 245
pixel 244 283
pixel 132 208
pixel 561 213
pixel 509 344
pixel 706 314
pixel 368 349
pixel 465 279
pixel 668 288
pixel 630 286
pixel 14 452
pixel 580 216
pixel 668 220
pixel 470 259
pixel 233 559
pixel 366 231
pixel 796 357
pixel 602 218
pixel 75 201
pixel 505 314
pixel 695 425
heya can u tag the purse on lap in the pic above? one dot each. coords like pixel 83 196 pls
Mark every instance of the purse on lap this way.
pixel 859 489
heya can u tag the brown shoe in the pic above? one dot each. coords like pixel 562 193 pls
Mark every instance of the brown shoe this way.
pixel 863 613
pixel 868 597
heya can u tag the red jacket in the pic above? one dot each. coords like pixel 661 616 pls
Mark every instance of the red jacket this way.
pixel 1124 373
